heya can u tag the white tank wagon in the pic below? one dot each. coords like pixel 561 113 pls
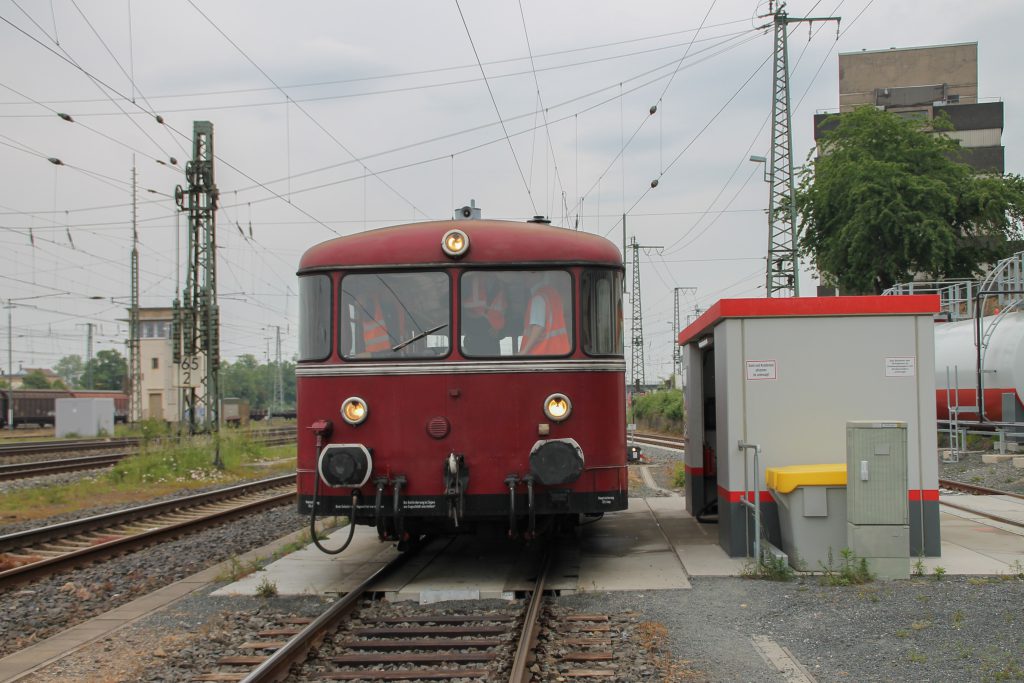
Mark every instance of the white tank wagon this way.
pixel 1002 365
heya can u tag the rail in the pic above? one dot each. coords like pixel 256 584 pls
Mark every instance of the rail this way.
pixel 36 552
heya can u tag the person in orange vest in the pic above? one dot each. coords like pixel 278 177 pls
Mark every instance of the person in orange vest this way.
pixel 484 305
pixel 544 328
pixel 379 337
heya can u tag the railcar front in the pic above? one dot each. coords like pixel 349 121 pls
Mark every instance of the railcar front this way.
pixel 455 375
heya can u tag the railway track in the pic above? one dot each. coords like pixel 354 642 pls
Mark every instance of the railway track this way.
pixel 361 639
pixel 34 553
pixel 657 440
pixel 975 490
pixel 9 451
pixel 24 470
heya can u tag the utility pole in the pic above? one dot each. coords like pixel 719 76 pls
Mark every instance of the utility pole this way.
pixel 677 328
pixel 10 366
pixel 278 378
pixel 783 271
pixel 197 319
pixel 88 355
pixel 134 361
pixel 637 355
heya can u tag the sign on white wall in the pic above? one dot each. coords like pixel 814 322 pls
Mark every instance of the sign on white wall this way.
pixel 905 366
pixel 762 369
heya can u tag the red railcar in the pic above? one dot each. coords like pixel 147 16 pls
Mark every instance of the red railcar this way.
pixel 120 400
pixel 462 374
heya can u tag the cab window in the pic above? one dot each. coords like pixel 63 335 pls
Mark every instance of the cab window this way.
pixel 395 315
pixel 314 317
pixel 506 313
pixel 601 312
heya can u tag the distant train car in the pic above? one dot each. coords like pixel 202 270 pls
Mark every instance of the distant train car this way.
pixel 462 375
pixel 120 401
pixel 235 412
pixel 31 406
pixel 39 407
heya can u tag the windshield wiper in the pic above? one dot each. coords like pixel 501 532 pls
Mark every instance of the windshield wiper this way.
pixel 415 338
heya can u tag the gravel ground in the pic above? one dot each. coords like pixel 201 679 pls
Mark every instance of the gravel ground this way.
pixel 40 609
pixel 971 470
pixel 924 629
pixel 920 630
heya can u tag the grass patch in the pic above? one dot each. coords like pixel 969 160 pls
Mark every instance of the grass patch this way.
pixel 679 475
pixel 237 569
pixel 159 468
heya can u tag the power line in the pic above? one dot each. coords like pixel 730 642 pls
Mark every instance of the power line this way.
pixel 497 111
pixel 302 109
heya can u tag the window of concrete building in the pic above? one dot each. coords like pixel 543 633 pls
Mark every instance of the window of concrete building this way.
pixel 155 363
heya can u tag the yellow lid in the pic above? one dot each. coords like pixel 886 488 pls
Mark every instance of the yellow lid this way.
pixel 785 479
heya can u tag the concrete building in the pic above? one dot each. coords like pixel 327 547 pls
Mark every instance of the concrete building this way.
pixel 925 82
pixel 160 393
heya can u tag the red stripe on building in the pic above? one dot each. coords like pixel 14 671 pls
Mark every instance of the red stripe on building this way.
pixel 923 494
pixel 790 307
pixel 694 471
pixel 735 496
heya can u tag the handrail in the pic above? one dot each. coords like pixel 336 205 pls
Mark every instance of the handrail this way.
pixel 744 500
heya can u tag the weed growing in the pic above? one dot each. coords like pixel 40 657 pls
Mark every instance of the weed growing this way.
pixel 266 588
pixel 679 475
pixel 852 571
pixel 771 569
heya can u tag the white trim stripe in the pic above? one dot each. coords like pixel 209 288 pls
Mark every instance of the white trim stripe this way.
pixel 459 368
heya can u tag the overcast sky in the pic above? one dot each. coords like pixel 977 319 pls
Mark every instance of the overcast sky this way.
pixel 334 117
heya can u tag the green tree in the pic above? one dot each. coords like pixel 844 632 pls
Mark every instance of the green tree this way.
pixel 888 200
pixel 35 380
pixel 70 369
pixel 108 370
pixel 246 378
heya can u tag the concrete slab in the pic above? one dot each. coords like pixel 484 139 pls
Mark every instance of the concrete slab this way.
pixel 311 572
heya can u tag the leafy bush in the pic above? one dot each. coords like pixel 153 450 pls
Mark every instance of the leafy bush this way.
pixel 660 410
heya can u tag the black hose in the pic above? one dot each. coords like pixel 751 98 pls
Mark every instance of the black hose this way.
pixel 312 519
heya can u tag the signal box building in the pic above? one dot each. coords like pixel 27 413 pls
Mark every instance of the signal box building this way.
pixel 159 374
pixel 788 375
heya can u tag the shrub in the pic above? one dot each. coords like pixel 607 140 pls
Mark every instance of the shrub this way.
pixel 660 410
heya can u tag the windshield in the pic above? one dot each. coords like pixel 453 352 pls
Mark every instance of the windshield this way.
pixel 516 313
pixel 395 315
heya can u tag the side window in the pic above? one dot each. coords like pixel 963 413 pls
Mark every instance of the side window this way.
pixel 314 317
pixel 395 315
pixel 601 314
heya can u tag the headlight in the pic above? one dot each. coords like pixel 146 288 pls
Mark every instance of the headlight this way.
pixel 354 410
pixel 455 243
pixel 557 407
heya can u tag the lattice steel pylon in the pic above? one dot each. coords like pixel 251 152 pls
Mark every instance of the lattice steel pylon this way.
pixel 197 317
pixel 677 328
pixel 783 268
pixel 134 361
pixel 637 352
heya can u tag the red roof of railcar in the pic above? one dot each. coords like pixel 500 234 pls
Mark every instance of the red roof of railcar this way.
pixel 489 242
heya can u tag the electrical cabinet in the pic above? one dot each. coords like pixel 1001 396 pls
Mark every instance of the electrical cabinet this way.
pixel 876 496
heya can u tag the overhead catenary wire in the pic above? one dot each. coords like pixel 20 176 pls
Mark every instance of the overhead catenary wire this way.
pixel 497 110
pixel 345 81
pixel 302 109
